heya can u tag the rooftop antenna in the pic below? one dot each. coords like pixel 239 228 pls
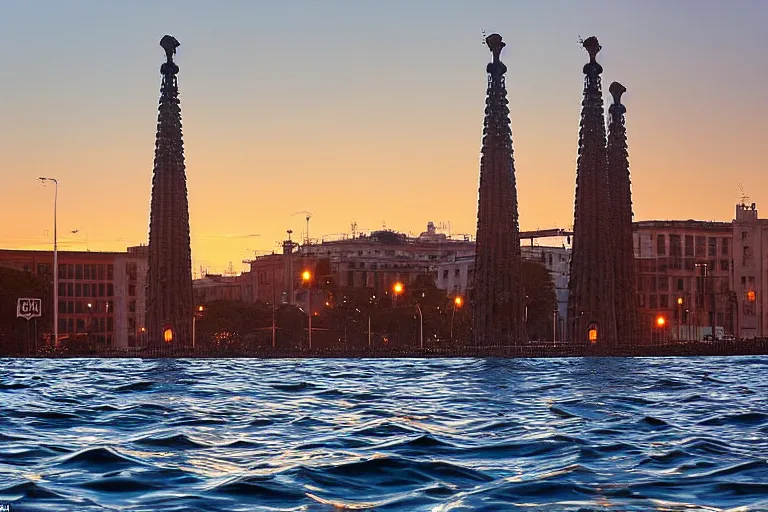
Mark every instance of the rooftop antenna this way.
pixel 744 197
pixel 354 228
pixel 308 216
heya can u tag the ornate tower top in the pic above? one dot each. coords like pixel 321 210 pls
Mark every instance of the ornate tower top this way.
pixel 496 44
pixel 592 68
pixel 169 44
pixel 616 90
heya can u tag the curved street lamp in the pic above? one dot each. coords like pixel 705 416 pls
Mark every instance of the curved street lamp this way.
pixel 55 262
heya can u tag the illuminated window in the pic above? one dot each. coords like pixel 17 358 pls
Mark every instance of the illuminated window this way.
pixel 593 335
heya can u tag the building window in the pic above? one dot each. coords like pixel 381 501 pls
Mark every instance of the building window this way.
pixel 680 284
pixel 724 247
pixel 350 278
pixel 712 247
pixel 132 306
pixel 110 272
pixel 457 272
pixel 661 245
pixel 689 245
pixel 641 300
pixel 744 236
pixel 62 289
pixel 663 284
pixel 102 289
pixel 652 301
pixel 445 274
pixel 131 290
pixel 87 272
pixel 675 246
pixel 723 264
pixel 86 290
pixel 641 284
pixel 102 272
pixel 701 242
pixel 664 301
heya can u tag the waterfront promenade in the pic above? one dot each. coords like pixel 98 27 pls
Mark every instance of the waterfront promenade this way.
pixel 529 350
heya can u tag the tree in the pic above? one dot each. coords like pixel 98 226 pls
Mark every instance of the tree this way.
pixel 541 300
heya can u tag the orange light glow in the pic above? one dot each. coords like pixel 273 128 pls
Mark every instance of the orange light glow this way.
pixel 679 301
pixel 168 335
pixel 306 275
pixel 458 302
pixel 751 295
pixel 200 308
pixel 661 321
pixel 398 288
pixel 592 333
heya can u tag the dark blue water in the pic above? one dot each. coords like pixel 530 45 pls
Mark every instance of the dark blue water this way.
pixel 436 435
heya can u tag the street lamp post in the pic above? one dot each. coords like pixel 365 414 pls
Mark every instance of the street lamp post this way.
pixel 421 326
pixel 679 316
pixel 200 309
pixel 306 276
pixel 457 303
pixel 55 263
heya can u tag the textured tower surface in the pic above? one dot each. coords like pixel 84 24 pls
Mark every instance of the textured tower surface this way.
pixel 621 214
pixel 591 294
pixel 498 293
pixel 169 280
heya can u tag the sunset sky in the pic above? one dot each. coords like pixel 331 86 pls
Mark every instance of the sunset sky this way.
pixel 364 110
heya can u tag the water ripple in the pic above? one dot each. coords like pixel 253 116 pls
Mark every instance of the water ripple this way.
pixel 433 435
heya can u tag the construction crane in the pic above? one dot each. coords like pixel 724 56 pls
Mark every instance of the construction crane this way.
pixel 308 215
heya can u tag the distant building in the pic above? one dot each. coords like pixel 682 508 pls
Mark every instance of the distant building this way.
pixel 378 260
pixel 101 294
pixel 688 260
pixel 750 272
pixel 456 274
pixel 215 287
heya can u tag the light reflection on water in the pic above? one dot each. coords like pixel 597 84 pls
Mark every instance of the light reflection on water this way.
pixel 438 435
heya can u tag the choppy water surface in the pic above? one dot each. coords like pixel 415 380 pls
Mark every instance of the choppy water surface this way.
pixel 438 435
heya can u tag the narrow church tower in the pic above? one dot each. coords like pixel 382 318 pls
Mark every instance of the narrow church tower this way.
pixel 621 214
pixel 169 281
pixel 591 314
pixel 498 293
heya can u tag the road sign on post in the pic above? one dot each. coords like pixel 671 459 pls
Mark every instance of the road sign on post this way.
pixel 28 308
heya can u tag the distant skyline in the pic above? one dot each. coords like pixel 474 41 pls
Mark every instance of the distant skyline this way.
pixel 365 111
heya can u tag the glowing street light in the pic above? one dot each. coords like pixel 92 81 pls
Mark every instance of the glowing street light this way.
pixel 199 311
pixel 398 288
pixel 661 321
pixel 306 277
pixel 457 303
pixel 751 295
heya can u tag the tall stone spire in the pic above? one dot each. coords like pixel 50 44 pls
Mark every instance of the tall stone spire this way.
pixel 591 293
pixel 169 281
pixel 498 293
pixel 621 214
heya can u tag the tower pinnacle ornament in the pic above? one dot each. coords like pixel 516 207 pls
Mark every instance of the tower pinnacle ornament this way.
pixel 169 280
pixel 621 214
pixel 591 314
pixel 498 293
